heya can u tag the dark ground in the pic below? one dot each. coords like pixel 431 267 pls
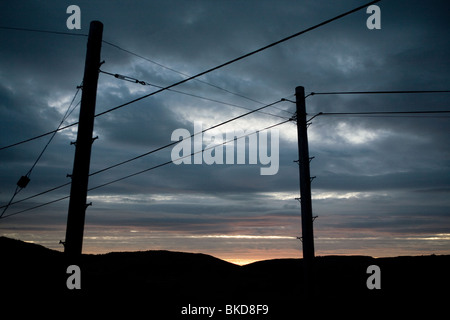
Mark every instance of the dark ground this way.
pixel 160 283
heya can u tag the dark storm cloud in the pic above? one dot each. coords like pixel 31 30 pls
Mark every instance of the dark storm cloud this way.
pixel 379 157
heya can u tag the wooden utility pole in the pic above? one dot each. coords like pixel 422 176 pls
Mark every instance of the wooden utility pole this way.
pixel 80 174
pixel 305 191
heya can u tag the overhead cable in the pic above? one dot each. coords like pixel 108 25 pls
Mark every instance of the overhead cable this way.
pixel 379 92
pixel 45 31
pixel 241 57
pixel 24 180
pixel 211 69
pixel 380 113
pixel 152 151
pixel 145 83
pixel 149 169
pixel 192 135
pixel 184 74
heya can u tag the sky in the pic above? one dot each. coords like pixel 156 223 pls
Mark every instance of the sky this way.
pixel 382 182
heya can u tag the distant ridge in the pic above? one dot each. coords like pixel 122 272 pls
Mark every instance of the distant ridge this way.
pixel 177 278
pixel 12 246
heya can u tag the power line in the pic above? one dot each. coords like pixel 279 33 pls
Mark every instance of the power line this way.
pixel 178 72
pixel 241 57
pixel 129 52
pixel 182 73
pixel 209 70
pixel 192 135
pixel 24 180
pixel 60 128
pixel 379 92
pixel 168 162
pixel 145 83
pixel 180 158
pixel 32 208
pixel 66 115
pixel 75 123
pixel 38 136
pixel 245 114
pixel 284 99
pixel 152 151
pixel 44 31
pixel 145 170
pixel 381 113
pixel 400 116
pixel 199 74
pixel 38 194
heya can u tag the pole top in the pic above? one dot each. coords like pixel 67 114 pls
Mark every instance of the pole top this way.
pixel 300 91
pixel 96 22
pixel 97 26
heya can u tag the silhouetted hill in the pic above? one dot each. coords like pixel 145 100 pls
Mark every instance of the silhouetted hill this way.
pixel 13 247
pixel 167 281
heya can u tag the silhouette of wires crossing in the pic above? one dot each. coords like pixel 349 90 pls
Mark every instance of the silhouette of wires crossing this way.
pixel 378 92
pixel 126 78
pixel 382 113
pixel 197 75
pixel 73 34
pixel 180 92
pixel 386 113
pixel 24 180
pixel 22 183
pixel 152 151
pixel 240 57
pixel 141 171
pixel 145 83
